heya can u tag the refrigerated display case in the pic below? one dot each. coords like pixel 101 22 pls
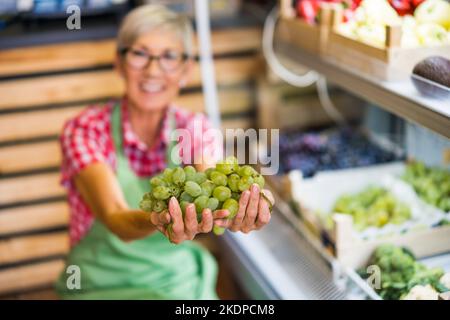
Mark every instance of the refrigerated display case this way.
pixel 290 259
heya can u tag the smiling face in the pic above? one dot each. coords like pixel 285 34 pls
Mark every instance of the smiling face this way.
pixel 154 85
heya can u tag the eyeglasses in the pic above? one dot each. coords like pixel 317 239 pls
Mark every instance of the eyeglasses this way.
pixel 168 61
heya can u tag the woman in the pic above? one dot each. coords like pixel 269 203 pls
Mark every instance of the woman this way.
pixel 109 154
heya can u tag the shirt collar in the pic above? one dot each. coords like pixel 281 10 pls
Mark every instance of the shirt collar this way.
pixel 131 139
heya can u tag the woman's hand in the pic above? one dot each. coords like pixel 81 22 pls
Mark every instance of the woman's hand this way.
pixel 178 229
pixel 253 213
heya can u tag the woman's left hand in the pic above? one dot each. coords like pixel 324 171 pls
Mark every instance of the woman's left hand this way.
pixel 254 211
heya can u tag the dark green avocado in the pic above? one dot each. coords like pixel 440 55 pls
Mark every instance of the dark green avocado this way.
pixel 435 69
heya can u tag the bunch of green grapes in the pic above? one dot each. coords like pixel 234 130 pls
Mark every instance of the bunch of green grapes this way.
pixel 373 206
pixel 216 188
pixel 431 184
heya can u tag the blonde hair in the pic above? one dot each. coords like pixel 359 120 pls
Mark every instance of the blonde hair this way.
pixel 149 17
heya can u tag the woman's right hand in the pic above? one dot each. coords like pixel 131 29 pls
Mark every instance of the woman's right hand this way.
pixel 178 229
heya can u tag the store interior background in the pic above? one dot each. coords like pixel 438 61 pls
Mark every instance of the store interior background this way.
pixel 48 74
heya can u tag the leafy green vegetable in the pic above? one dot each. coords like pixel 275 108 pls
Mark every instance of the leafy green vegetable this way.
pixel 400 272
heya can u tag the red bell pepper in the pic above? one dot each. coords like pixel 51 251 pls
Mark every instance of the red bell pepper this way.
pixel 402 6
pixel 354 4
pixel 416 3
pixel 308 9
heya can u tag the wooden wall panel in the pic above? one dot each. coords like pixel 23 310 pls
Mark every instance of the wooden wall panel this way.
pixel 34 218
pixel 30 187
pixel 30 276
pixel 92 85
pixel 30 156
pixel 88 54
pixel 32 247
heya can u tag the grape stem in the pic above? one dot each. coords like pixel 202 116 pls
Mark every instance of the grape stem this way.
pixel 262 193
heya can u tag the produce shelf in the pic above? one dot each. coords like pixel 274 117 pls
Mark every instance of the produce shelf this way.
pixel 286 261
pixel 400 97
pixel 278 263
pixel 283 261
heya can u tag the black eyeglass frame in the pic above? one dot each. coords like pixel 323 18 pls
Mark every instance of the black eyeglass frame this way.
pixel 150 58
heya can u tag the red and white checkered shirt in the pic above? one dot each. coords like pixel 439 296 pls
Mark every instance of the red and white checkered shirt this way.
pixel 87 138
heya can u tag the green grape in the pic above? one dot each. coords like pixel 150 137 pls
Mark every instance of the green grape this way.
pixel 178 176
pixel 167 175
pixel 159 206
pixel 186 197
pixel 199 177
pixel 175 190
pixel 146 205
pixel 218 178
pixel 232 206
pixel 247 171
pixel 157 181
pixel 207 188
pixel 161 193
pixel 432 184
pixel 232 160
pixel 236 196
pixel 213 204
pixel 221 193
pixel 228 166
pixel 221 187
pixel 374 206
pixel 233 182
pixel 147 196
pixel 208 172
pixel 183 206
pixel 218 230
pixel 225 168
pixel 245 183
pixel 190 173
pixel 192 188
pixel 201 203
pixel 259 180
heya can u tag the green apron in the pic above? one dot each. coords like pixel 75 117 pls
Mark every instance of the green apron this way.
pixel 150 268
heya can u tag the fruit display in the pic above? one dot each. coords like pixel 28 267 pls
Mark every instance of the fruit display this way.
pixel 309 10
pixel 316 151
pixel 431 184
pixel 403 277
pixel 423 23
pixel 374 206
pixel 216 188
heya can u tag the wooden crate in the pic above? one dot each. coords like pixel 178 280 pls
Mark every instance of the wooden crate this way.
pixel 295 30
pixel 353 253
pixel 390 62
pixel 350 250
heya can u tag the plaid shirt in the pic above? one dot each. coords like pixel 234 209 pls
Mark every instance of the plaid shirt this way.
pixel 87 139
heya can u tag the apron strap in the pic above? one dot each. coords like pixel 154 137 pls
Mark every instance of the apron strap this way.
pixel 116 126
